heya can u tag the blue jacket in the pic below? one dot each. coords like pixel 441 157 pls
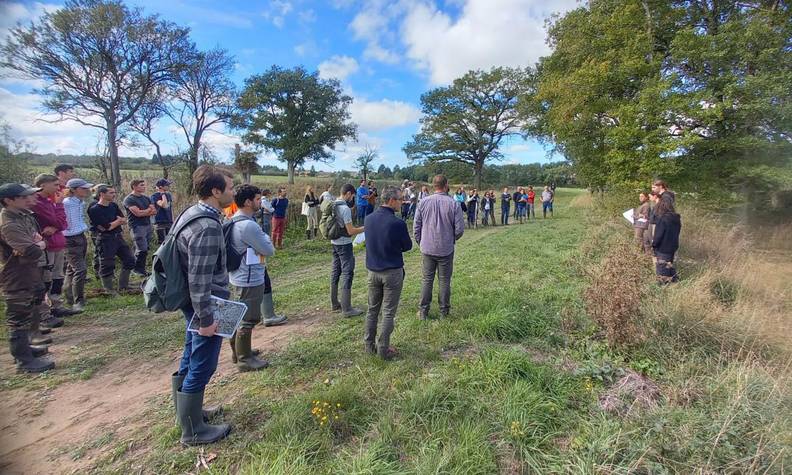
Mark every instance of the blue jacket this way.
pixel 361 192
pixel 386 239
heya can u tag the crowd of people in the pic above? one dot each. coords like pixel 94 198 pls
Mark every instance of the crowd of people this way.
pixel 44 236
pixel 657 227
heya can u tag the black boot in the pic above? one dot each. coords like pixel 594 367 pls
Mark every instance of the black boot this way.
pixel 23 355
pixel 194 430
pixel 39 350
pixel 308 234
pixel 335 305
pixel 176 383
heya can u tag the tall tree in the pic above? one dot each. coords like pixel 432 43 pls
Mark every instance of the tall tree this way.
pixel 467 121
pixel 246 162
pixel 100 60
pixel 295 114
pixel 201 96
pixel 144 124
pixel 697 90
pixel 364 160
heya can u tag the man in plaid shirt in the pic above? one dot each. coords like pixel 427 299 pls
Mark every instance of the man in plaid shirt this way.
pixel 203 260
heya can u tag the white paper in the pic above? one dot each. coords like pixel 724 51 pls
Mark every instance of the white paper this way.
pixel 628 215
pixel 359 239
pixel 251 257
pixel 228 314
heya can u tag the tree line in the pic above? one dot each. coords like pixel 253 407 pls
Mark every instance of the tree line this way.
pixel 695 91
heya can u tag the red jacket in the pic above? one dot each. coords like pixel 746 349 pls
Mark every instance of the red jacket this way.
pixel 51 214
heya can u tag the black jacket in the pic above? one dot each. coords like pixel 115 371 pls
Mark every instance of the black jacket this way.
pixel 666 235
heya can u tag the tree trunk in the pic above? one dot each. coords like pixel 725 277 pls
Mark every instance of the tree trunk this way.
pixel 112 152
pixel 196 145
pixel 290 166
pixel 477 170
pixel 162 162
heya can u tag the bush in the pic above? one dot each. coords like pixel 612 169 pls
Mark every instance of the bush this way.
pixel 613 299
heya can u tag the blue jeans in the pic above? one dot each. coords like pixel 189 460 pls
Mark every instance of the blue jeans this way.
pixel 199 360
pixel 504 215
pixel 362 211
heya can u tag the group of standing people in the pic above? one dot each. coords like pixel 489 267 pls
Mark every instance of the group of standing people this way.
pixel 475 205
pixel 657 226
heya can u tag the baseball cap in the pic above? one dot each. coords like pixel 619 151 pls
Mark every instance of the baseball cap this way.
pixel 78 183
pixel 164 182
pixel 13 190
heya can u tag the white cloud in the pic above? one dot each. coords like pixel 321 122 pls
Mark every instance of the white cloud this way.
pixel 372 25
pixel 383 114
pixel 13 13
pixel 277 12
pixel 338 67
pixel 487 33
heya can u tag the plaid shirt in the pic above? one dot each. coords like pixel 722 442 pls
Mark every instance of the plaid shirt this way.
pixel 203 256
pixel 74 216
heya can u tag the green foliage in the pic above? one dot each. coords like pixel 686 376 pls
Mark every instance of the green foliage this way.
pixel 13 168
pixel 295 114
pixel 698 92
pixel 466 121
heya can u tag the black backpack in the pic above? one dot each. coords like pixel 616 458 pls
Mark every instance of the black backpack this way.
pixel 233 257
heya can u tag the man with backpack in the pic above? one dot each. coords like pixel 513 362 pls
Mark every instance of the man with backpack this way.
pixel 202 259
pixel 251 281
pixel 336 225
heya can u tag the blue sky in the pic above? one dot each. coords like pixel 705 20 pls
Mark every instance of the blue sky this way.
pixel 385 53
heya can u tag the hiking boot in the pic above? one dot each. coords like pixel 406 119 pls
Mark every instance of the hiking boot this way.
pixel 269 319
pixel 23 355
pixel 422 315
pixel 51 322
pixel 78 307
pixel 176 383
pixel 246 361
pixel 64 312
pixel 190 416
pixel 347 309
pixel 334 304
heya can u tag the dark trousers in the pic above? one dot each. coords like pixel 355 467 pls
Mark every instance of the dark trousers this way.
pixel 266 224
pixel 142 237
pixel 443 267
pixel 664 268
pixel 97 259
pixel 492 215
pixel 19 310
pixel 111 246
pixel 199 359
pixel 405 211
pixel 162 230
pixel 384 293
pixel 76 268
pixel 504 215
pixel 343 266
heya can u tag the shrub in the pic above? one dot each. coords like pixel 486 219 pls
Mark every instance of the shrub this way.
pixel 613 298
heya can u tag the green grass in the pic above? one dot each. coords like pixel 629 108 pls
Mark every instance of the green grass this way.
pixel 509 383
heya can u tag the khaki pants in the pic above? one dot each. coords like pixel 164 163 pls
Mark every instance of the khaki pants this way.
pixel 384 293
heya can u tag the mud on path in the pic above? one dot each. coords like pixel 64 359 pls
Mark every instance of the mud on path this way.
pixel 37 428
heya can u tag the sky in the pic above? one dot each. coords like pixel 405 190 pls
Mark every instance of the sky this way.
pixel 385 53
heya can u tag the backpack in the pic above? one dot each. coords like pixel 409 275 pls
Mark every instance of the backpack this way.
pixel 233 257
pixel 166 288
pixel 329 227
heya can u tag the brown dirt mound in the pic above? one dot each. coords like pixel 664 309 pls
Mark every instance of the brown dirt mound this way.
pixel 630 393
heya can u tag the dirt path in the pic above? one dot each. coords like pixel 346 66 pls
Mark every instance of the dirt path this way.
pixel 73 412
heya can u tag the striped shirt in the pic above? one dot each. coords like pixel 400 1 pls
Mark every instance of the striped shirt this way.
pixel 202 251
pixel 75 218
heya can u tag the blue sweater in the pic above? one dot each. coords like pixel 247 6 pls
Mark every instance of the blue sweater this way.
pixel 281 205
pixel 386 239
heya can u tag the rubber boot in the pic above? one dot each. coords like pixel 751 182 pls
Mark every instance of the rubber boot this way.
pixel 334 303
pixel 347 309
pixel 123 280
pixel 308 234
pixel 194 430
pixel 246 361
pixel 36 335
pixel 176 383
pixel 109 286
pixel 268 317
pixel 232 344
pixel 23 355
pixel 39 350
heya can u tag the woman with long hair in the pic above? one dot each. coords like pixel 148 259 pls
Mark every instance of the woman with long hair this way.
pixel 313 212
pixel 666 241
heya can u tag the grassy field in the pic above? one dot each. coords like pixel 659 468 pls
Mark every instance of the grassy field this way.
pixel 518 380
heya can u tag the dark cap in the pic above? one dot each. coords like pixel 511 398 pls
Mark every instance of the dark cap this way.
pixel 13 190
pixel 164 182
